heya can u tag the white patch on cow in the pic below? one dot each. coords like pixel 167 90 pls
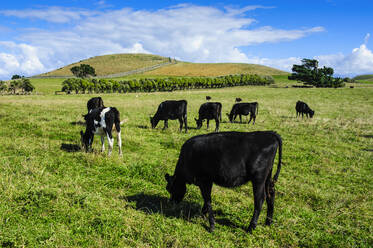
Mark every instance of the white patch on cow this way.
pixel 102 124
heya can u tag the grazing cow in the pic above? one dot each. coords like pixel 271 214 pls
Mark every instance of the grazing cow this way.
pixel 208 98
pixel 228 159
pixel 238 99
pixel 244 108
pixel 302 108
pixel 100 121
pixel 95 102
pixel 171 110
pixel 209 111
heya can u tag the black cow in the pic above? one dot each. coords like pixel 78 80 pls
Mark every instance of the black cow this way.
pixel 228 159
pixel 244 108
pixel 100 121
pixel 208 98
pixel 95 102
pixel 302 108
pixel 209 111
pixel 171 110
pixel 238 99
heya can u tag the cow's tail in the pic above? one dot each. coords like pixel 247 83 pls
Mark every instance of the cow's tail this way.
pixel 220 107
pixel 116 119
pixel 279 140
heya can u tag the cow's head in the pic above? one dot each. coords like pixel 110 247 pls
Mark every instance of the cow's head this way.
pixel 176 189
pixel 312 113
pixel 86 140
pixel 153 121
pixel 199 122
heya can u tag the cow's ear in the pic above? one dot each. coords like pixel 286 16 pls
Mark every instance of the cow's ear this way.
pixel 167 176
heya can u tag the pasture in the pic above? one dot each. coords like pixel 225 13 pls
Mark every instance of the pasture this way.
pixel 55 196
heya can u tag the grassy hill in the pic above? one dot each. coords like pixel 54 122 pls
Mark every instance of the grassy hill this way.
pixel 368 77
pixel 213 69
pixel 111 64
pixel 120 63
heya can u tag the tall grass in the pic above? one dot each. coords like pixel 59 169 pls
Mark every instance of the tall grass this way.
pixel 51 197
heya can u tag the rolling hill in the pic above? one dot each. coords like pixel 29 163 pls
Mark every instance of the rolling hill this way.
pixel 118 65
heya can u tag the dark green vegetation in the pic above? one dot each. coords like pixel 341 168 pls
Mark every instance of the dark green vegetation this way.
pixel 309 73
pixel 161 84
pixel 83 71
pixel 22 86
pixel 55 196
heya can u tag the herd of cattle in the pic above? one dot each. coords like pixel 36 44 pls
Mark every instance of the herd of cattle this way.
pixel 228 159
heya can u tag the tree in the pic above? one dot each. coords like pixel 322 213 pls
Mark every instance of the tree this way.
pixel 83 71
pixel 16 76
pixel 26 85
pixel 309 73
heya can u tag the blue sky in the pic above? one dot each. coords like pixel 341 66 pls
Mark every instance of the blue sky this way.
pixel 39 36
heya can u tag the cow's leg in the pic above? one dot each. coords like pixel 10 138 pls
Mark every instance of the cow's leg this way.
pixel 207 208
pixel 165 124
pixel 258 188
pixel 208 122
pixel 270 198
pixel 102 143
pixel 110 141
pixel 254 117
pixel 251 117
pixel 302 115
pixel 119 140
pixel 240 118
pixel 186 124
pixel 180 124
pixel 217 124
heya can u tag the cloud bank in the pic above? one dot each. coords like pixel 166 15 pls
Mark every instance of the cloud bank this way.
pixel 189 32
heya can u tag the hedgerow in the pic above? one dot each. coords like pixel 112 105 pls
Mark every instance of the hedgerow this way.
pixel 79 85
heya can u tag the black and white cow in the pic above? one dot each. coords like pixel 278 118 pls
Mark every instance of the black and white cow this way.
pixel 228 159
pixel 244 108
pixel 100 121
pixel 209 111
pixel 302 108
pixel 95 102
pixel 171 110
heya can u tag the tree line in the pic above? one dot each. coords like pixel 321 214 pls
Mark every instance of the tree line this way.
pixel 22 85
pixel 82 85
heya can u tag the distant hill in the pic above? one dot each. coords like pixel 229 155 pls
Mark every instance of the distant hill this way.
pixel 118 65
pixel 368 77
pixel 113 64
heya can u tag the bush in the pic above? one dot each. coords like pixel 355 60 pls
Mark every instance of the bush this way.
pixel 162 84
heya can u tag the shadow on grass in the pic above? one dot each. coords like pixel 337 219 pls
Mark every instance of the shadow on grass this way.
pixel 368 150
pixel 237 122
pixel 154 204
pixel 70 147
pixel 80 123
pixel 142 127
pixel 367 136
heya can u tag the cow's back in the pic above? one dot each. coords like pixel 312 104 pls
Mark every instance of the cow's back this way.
pixel 228 158
pixel 171 109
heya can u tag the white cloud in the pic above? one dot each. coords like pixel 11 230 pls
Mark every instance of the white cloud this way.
pixel 51 14
pixel 359 61
pixel 188 32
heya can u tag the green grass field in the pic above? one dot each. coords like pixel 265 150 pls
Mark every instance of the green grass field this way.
pixel 51 197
